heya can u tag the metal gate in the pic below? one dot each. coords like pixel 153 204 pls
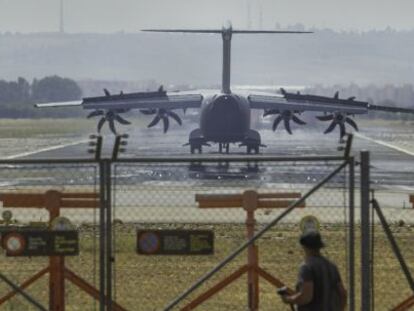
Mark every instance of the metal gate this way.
pixel 160 194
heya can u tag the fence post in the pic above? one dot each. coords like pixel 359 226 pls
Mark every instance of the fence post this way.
pixel 351 242
pixel 365 233
pixel 102 235
pixel 109 257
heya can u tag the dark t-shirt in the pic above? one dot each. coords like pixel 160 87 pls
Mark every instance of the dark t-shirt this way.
pixel 325 277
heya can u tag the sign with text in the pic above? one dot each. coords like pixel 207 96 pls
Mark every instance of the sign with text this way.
pixel 40 243
pixel 175 242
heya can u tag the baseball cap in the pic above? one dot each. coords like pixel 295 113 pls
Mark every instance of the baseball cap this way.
pixel 311 239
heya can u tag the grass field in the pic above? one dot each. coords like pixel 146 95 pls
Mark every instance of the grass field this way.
pixel 150 282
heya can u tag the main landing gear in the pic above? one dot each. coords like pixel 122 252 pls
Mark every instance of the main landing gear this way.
pixel 251 141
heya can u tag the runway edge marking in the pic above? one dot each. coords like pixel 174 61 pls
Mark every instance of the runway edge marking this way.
pixel 28 153
pixel 383 143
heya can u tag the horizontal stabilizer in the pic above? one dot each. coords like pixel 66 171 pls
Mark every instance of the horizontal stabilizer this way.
pixel 60 104
pixel 269 31
pixel 221 30
pixel 184 30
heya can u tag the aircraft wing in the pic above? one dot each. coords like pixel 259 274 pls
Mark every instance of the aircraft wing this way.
pixel 288 106
pixel 110 107
pixel 297 102
pixel 142 100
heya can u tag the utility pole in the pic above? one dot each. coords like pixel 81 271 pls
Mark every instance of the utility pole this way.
pixel 61 25
pixel 249 14
pixel 260 15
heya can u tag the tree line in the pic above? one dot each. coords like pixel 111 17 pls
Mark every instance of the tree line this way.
pixel 18 97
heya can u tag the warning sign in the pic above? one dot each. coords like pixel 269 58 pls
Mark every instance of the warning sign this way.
pixel 40 243
pixel 175 242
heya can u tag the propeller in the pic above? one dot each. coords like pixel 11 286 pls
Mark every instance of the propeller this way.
pixel 109 115
pixel 162 114
pixel 286 116
pixel 338 119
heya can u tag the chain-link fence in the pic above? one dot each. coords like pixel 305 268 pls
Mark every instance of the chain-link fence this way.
pixel 392 260
pixel 153 194
pixel 20 186
pixel 159 196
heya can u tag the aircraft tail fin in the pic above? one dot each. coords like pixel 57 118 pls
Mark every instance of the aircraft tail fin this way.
pixel 227 33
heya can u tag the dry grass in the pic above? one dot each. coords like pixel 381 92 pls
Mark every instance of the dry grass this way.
pixel 150 282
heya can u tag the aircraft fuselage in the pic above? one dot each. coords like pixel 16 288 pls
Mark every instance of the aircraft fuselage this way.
pixel 225 118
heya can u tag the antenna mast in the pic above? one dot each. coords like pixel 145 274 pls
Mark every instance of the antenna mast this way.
pixel 61 25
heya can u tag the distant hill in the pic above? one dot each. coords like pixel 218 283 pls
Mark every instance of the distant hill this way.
pixel 325 57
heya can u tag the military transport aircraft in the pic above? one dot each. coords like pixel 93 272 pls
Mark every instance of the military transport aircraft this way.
pixel 224 115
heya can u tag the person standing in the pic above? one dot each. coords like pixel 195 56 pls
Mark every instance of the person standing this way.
pixel 319 286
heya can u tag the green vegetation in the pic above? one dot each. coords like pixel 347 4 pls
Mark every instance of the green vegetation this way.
pixel 44 128
pixel 17 98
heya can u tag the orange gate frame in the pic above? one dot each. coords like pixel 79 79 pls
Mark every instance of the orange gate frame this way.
pixel 250 201
pixel 53 201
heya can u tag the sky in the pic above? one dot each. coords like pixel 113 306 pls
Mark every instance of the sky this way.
pixel 108 16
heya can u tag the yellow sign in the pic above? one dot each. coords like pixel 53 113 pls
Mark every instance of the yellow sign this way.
pixel 309 223
pixel 7 216
pixel 61 224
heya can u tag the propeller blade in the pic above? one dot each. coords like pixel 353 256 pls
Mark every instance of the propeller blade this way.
pixel 336 96
pixel 331 127
pixel 107 92
pixel 276 122
pixel 95 114
pixel 147 111
pixel 342 129
pixel 175 116
pixel 286 121
pixel 112 126
pixel 154 121
pixel 122 120
pixel 329 117
pixel 166 124
pixel 352 123
pixel 298 120
pixel 100 124
pixel 270 112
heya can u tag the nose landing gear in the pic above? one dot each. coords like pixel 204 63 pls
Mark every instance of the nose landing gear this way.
pixel 225 146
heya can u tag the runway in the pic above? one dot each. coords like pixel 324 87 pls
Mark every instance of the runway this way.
pixel 149 193
pixel 392 150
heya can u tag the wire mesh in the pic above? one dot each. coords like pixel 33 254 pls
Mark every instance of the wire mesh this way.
pixel 390 287
pixel 37 179
pixel 162 196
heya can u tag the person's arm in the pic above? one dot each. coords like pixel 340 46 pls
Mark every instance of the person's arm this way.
pixel 342 295
pixel 303 297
